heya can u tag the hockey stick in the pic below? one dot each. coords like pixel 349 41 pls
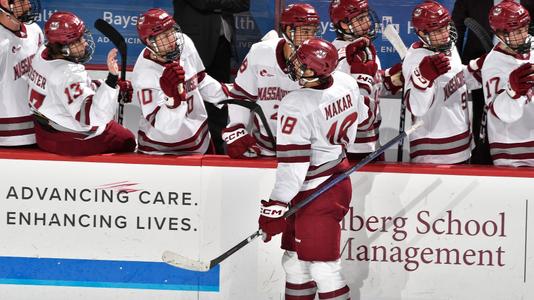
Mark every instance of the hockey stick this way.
pixel 393 37
pixel 183 262
pixel 118 40
pixel 481 33
pixel 255 108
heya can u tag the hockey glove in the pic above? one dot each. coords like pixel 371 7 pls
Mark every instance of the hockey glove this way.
pixel 125 91
pixel 521 80
pixel 361 49
pixel 171 83
pixel 239 143
pixel 475 65
pixel 393 79
pixel 271 220
pixel 430 68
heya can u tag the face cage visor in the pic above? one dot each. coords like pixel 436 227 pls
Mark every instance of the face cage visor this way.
pixel 443 47
pixel 26 11
pixel 356 28
pixel 88 51
pixel 165 40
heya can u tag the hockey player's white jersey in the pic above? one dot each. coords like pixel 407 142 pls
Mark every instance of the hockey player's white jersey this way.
pixel 180 130
pixel 314 128
pixel 366 140
pixel 445 137
pixel 262 78
pixel 62 93
pixel 510 122
pixel 16 54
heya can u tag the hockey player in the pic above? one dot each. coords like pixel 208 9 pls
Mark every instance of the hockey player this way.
pixel 74 115
pixel 20 39
pixel 263 78
pixel 356 26
pixel 508 77
pixel 436 89
pixel 171 84
pixel 315 125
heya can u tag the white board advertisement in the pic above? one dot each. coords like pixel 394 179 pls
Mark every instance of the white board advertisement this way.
pixel 85 230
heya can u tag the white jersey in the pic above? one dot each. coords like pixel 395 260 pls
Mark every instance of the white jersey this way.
pixel 16 54
pixel 262 78
pixel 366 140
pixel 63 95
pixel 180 130
pixel 314 128
pixel 445 137
pixel 510 122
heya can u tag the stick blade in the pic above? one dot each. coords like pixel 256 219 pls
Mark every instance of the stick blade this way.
pixel 183 262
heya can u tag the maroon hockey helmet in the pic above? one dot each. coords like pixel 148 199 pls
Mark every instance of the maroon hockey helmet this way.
pixel 64 28
pixel 299 14
pixel 508 16
pixel 315 54
pixel 154 22
pixel 430 16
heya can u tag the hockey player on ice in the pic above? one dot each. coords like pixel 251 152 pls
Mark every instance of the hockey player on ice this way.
pixel 20 39
pixel 356 26
pixel 508 78
pixel 171 85
pixel 315 125
pixel 436 89
pixel 74 115
pixel 263 78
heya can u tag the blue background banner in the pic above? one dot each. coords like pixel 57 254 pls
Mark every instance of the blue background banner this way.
pixel 396 12
pixel 250 27
pixel 123 15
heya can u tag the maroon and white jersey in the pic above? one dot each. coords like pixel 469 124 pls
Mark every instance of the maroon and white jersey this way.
pixel 445 137
pixel 63 95
pixel 262 78
pixel 16 53
pixel 372 88
pixel 315 126
pixel 510 122
pixel 180 130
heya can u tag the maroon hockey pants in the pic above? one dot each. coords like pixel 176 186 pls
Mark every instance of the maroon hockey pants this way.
pixel 314 231
pixel 115 138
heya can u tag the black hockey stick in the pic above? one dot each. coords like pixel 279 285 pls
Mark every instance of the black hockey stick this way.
pixel 394 38
pixel 118 40
pixel 481 33
pixel 255 108
pixel 183 262
pixel 487 43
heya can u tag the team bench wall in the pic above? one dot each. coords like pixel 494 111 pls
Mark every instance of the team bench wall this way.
pixel 95 227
